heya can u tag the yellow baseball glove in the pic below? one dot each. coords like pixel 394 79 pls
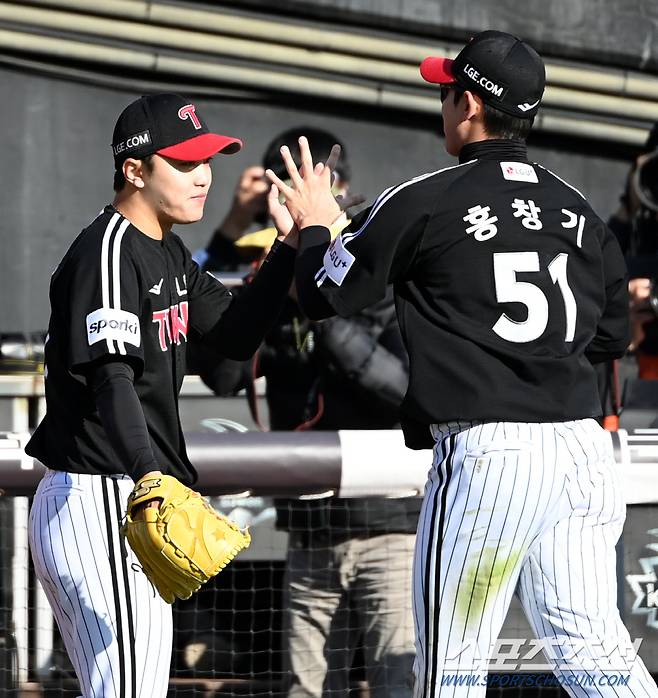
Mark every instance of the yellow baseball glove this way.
pixel 182 544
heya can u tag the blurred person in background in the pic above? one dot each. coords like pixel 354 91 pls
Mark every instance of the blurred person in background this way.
pixel 226 250
pixel 249 206
pixel 349 561
pixel 635 223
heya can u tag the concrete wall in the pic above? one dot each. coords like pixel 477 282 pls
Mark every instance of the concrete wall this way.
pixel 617 32
pixel 57 168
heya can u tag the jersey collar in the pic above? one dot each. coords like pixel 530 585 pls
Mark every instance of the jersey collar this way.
pixel 494 149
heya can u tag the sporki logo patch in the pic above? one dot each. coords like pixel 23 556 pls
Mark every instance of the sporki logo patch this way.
pixel 112 324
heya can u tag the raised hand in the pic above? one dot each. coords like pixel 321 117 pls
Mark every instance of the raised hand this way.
pixel 283 222
pixel 308 197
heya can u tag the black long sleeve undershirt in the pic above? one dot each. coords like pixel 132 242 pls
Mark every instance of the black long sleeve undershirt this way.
pixel 237 335
pixel 313 243
pixel 240 330
pixel 122 417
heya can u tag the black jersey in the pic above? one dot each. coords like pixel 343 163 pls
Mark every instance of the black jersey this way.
pixel 119 293
pixel 507 287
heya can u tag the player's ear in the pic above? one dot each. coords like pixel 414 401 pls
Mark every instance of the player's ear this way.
pixel 473 105
pixel 133 172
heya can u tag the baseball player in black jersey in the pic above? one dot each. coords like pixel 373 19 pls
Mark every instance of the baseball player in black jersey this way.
pixel 508 288
pixel 124 300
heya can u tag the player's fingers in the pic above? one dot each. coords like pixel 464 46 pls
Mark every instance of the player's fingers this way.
pixel 291 167
pixel 332 160
pixel 273 196
pixel 320 167
pixel 275 201
pixel 305 156
pixel 285 190
pixel 278 212
pixel 349 200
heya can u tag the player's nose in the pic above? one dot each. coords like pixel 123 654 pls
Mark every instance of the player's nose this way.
pixel 203 175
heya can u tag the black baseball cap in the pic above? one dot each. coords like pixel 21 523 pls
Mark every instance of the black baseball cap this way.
pixel 503 70
pixel 166 124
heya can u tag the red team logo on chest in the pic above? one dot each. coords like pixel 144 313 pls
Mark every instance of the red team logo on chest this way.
pixel 172 324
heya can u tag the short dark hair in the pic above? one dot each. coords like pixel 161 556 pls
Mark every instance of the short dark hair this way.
pixel 498 124
pixel 120 180
pixel 320 143
pixel 457 94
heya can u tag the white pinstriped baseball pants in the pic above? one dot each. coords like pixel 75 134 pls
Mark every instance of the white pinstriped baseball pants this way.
pixel 116 628
pixel 531 509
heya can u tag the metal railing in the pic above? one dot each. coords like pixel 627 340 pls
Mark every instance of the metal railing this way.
pixel 242 466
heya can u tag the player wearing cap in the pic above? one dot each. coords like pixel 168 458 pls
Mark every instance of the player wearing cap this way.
pixel 508 287
pixel 124 300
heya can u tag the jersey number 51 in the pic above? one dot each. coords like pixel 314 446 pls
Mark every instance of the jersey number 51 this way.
pixel 509 290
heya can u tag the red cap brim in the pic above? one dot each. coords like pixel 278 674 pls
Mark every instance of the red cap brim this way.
pixel 202 147
pixel 437 70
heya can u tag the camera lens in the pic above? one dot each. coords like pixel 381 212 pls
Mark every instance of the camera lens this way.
pixel 645 182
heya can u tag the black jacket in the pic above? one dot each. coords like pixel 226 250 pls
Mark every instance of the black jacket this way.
pixel 508 289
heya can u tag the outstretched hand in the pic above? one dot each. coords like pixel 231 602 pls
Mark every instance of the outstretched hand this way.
pixel 308 197
pixel 283 222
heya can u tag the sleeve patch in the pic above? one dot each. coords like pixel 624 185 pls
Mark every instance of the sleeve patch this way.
pixel 337 261
pixel 109 323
